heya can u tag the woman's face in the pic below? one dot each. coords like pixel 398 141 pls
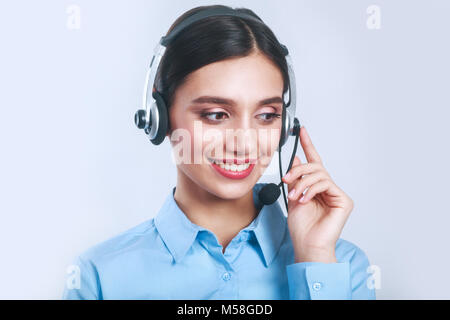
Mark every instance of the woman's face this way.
pixel 242 124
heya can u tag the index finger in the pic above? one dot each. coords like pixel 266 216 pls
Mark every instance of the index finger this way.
pixel 310 151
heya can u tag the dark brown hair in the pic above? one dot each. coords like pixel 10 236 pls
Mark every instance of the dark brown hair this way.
pixel 213 39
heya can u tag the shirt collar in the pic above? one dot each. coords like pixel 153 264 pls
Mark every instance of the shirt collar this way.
pixel 179 233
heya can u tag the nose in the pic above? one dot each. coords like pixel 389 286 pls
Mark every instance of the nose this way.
pixel 241 140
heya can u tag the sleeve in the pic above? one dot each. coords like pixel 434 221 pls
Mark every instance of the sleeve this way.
pixel 331 281
pixel 82 281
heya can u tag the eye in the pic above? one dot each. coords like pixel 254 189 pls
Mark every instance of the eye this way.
pixel 270 116
pixel 210 115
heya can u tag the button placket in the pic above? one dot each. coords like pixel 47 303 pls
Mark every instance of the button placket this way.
pixel 317 286
pixel 226 276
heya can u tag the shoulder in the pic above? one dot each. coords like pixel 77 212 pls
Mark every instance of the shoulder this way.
pixel 102 262
pixel 128 241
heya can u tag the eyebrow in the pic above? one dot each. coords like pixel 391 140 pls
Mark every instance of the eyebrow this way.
pixel 232 103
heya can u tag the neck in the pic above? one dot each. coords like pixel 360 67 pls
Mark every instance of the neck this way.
pixel 224 217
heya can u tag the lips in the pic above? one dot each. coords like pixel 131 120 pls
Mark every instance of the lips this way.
pixel 234 171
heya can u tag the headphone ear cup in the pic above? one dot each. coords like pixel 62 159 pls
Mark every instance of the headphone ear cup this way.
pixel 163 123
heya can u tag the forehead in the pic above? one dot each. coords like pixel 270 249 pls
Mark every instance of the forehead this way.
pixel 246 80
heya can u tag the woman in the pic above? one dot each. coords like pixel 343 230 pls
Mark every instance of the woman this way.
pixel 213 238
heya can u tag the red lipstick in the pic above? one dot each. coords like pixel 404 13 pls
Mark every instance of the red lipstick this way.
pixel 234 174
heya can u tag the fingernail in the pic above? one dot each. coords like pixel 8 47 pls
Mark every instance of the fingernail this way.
pixel 302 198
pixel 291 193
pixel 287 175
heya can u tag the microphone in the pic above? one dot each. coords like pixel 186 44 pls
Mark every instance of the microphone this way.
pixel 271 191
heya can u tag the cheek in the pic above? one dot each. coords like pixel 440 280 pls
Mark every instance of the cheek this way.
pixel 268 141
pixel 201 144
pixel 213 143
pixel 206 141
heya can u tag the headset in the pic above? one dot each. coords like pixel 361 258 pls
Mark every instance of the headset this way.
pixel 153 117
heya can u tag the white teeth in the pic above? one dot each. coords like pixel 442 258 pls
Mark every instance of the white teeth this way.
pixel 232 167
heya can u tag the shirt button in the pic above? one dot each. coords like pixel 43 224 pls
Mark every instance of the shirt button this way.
pixel 317 286
pixel 226 276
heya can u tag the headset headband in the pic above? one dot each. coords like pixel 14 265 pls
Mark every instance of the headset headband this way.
pixel 160 48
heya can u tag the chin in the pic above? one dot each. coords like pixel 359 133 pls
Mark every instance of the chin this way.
pixel 228 189
pixel 231 191
pixel 206 178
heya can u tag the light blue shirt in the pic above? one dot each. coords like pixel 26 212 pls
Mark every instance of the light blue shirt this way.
pixel 169 257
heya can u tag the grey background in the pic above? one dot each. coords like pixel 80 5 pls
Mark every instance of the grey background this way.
pixel 74 170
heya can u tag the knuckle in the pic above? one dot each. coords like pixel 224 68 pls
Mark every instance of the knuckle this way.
pixel 352 203
pixel 312 188
pixel 323 175
pixel 349 204
pixel 323 184
pixel 300 185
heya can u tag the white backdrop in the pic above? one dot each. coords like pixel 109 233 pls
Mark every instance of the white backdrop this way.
pixel 74 170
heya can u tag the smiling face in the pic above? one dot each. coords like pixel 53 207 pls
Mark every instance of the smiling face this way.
pixel 230 109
